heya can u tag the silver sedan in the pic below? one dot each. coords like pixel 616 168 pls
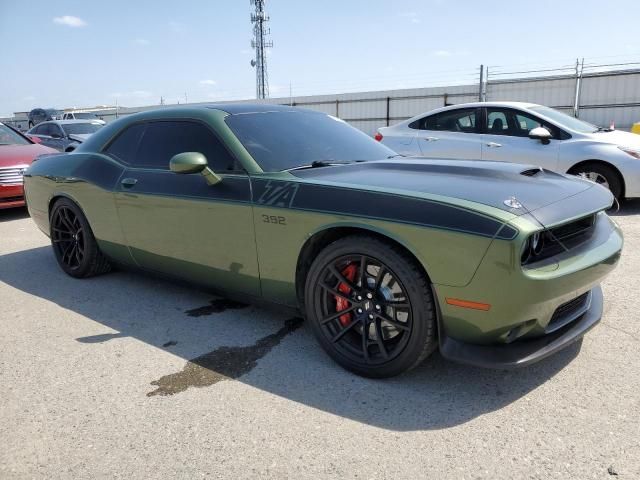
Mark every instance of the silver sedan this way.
pixel 522 133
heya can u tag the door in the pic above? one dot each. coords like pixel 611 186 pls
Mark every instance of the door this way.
pixel 507 139
pixel 178 224
pixel 452 134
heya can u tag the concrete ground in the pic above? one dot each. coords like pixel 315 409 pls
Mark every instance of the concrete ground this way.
pixel 125 376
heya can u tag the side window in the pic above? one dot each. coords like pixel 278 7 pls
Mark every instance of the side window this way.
pixel 125 145
pixel 515 123
pixel 463 120
pixel 45 129
pixel 55 130
pixel 497 123
pixel 164 139
pixel 39 130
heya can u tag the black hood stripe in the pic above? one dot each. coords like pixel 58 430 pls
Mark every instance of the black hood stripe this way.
pixel 376 205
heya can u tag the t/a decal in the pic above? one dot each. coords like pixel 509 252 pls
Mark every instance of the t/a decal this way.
pixel 279 194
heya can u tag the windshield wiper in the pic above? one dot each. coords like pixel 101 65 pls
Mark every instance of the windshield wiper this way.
pixel 603 129
pixel 394 156
pixel 318 164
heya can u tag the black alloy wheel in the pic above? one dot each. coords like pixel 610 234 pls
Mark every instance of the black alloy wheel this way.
pixel 371 307
pixel 68 238
pixel 74 245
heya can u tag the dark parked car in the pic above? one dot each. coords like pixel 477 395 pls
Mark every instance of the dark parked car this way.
pixel 64 135
pixel 39 115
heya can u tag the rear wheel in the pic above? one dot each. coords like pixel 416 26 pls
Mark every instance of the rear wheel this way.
pixel 601 174
pixel 370 307
pixel 74 245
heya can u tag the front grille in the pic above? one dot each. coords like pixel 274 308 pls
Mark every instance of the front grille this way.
pixel 12 175
pixel 564 237
pixel 568 312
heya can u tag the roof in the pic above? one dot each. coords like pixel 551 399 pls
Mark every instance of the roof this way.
pixel 495 104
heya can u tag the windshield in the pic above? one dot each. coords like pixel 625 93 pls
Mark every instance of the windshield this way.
pixel 565 120
pixel 9 137
pixel 283 140
pixel 81 128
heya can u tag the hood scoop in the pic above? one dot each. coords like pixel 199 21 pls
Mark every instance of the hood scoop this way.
pixel 531 172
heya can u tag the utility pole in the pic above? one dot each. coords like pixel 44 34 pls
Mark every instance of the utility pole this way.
pixel 576 101
pixel 259 43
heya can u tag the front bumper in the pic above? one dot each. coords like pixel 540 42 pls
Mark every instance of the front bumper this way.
pixel 526 307
pixel 524 352
pixel 11 196
pixel 630 170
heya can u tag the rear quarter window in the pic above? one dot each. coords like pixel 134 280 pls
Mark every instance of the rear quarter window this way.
pixel 125 145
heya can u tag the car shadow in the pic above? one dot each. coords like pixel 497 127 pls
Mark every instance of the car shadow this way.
pixel 9 214
pixel 222 340
pixel 628 207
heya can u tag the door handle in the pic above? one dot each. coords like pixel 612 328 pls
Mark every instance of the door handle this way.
pixel 128 182
pixel 494 144
pixel 430 139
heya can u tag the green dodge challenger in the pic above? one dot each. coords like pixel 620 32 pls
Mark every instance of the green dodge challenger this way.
pixel 388 258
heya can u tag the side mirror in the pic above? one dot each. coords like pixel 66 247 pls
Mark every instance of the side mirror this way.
pixel 34 139
pixel 193 162
pixel 187 162
pixel 540 133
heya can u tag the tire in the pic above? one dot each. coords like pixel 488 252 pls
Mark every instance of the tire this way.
pixel 31 125
pixel 74 245
pixel 602 174
pixel 398 317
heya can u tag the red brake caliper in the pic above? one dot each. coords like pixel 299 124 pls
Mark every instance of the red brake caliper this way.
pixel 342 304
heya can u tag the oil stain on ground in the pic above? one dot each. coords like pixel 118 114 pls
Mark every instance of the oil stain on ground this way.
pixel 223 363
pixel 216 306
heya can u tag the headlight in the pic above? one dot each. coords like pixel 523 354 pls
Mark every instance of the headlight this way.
pixel 635 153
pixel 537 242
pixel 532 247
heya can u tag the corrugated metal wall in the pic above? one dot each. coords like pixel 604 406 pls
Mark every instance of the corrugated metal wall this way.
pixel 604 97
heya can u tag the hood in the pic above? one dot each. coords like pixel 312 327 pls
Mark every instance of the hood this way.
pixel 617 137
pixel 483 182
pixel 79 137
pixel 12 155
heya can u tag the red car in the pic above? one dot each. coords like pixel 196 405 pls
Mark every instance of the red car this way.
pixel 16 154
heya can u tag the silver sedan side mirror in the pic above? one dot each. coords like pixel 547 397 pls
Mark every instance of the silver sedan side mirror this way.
pixel 540 133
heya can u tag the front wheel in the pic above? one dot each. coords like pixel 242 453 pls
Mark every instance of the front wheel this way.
pixel 74 245
pixel 602 175
pixel 371 307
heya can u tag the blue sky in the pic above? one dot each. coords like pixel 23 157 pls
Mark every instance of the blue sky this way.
pixel 82 53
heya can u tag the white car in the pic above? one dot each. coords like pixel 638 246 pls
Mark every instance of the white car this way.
pixel 83 116
pixel 522 133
